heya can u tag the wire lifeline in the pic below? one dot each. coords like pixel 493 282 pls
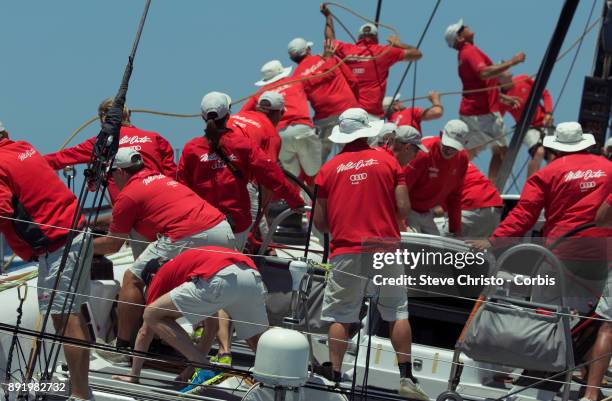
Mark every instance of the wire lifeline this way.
pixel 290 259
pixel 26 333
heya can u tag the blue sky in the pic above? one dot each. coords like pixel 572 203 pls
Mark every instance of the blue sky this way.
pixel 60 58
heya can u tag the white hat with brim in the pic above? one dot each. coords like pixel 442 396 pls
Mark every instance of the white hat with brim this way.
pixel 389 100
pixel 354 124
pixel 273 71
pixel 455 134
pixel 2 129
pixel 569 137
pixel 451 33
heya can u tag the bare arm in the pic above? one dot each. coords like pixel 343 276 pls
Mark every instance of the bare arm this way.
pixel 402 201
pixel 410 52
pixel 329 32
pixel 320 217
pixel 436 110
pixel 108 245
pixel 495 70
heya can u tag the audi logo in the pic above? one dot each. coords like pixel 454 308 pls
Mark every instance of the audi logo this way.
pixel 355 178
pixel 587 185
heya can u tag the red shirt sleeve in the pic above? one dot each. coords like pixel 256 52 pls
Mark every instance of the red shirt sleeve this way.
pixel 547 99
pixel 525 214
pixel 453 202
pixel 342 48
pixel 250 104
pixel 268 174
pixel 167 157
pixel 183 172
pixel 474 61
pixel 78 154
pixel 19 246
pixel 124 216
pixel 392 55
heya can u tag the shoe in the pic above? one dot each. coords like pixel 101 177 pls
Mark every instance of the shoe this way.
pixel 411 389
pixel 224 360
pixel 198 380
pixel 115 356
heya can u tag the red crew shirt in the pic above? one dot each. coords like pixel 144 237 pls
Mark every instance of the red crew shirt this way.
pixel 203 171
pixel 521 89
pixel 258 127
pixel 371 73
pixel 296 103
pixel 157 153
pixel 570 189
pixel 478 191
pixel 331 94
pixel 433 180
pixel 153 204
pixel 472 61
pixel 409 116
pixel 203 262
pixel 359 185
pixel 24 173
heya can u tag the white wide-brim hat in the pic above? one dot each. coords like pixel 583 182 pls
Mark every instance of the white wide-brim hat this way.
pixel 569 137
pixel 354 124
pixel 273 71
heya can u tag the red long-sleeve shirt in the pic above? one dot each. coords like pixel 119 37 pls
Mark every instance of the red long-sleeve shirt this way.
pixel 331 94
pixel 478 191
pixel 433 180
pixel 296 103
pixel 203 171
pixel 522 85
pixel 570 190
pixel 25 176
pixel 157 153
pixel 258 127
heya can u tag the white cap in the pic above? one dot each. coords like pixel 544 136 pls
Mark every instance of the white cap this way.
pixel 216 102
pixel 608 142
pixel 2 129
pixel 387 128
pixel 127 157
pixel 276 100
pixel 388 100
pixel 298 47
pixel 272 71
pixel 455 134
pixel 373 29
pixel 409 134
pixel 451 33
pixel 569 137
pixel 353 124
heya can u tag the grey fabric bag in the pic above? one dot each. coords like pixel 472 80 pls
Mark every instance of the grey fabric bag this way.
pixel 516 336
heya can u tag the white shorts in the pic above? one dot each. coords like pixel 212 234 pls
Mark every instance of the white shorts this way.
pixel 165 248
pixel 300 149
pixel 344 292
pixel 535 136
pixel 485 129
pixel 48 267
pixel 604 306
pixel 324 130
pixel 237 289
pixel 480 223
pixel 422 222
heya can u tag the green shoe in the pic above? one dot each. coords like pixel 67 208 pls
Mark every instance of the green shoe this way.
pixel 197 334
pixel 222 359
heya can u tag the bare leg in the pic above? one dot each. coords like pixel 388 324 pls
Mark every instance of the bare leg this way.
pixel 224 334
pixel 597 369
pixel 338 341
pixel 77 357
pixel 143 341
pixel 129 315
pixel 401 339
pixel 496 161
pixel 252 341
pixel 210 328
pixel 163 322
pixel 536 161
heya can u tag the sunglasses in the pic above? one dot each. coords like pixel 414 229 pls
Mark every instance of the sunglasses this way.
pixel 461 29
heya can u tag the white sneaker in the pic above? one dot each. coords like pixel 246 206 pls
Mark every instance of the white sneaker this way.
pixel 115 356
pixel 410 389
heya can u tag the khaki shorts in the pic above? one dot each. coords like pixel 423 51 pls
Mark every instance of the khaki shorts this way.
pixel 604 306
pixel 351 280
pixel 324 130
pixel 300 149
pixel 535 136
pixel 485 129
pixel 422 222
pixel 480 223
pixel 237 289
pixel 48 267
pixel 165 248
